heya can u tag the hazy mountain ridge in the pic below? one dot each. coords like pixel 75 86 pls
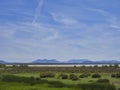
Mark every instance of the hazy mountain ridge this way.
pixel 2 62
pixel 81 61
pixel 46 61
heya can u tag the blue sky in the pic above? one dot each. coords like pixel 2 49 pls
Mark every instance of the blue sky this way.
pixel 59 29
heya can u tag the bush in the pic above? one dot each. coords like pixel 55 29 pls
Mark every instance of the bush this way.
pixel 117 75
pixel 83 76
pixel 103 81
pixel 47 75
pixel 73 77
pixel 96 76
pixel 63 76
pixel 113 75
pixel 116 65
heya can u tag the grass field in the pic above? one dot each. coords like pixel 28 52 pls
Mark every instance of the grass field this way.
pixel 115 81
pixel 50 84
pixel 23 86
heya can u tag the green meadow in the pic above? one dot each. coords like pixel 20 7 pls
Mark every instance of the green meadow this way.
pixel 25 78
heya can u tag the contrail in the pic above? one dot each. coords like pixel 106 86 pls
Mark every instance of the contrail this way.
pixel 37 12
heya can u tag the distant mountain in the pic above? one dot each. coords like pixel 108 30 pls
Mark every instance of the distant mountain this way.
pixel 80 61
pixel 77 61
pixel 108 61
pixel 45 61
pixel 2 62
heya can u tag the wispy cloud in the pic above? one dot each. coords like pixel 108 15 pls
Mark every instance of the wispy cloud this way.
pixel 64 20
pixel 54 36
pixel 63 30
pixel 112 20
pixel 37 11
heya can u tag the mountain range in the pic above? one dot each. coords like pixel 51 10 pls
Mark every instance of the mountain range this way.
pixel 46 61
pixel 77 61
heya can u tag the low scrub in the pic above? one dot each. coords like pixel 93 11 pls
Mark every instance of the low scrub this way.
pixel 63 76
pixel 58 84
pixel 12 78
pixel 84 75
pixel 96 75
pixel 117 75
pixel 103 81
pixel 96 86
pixel 73 77
pixel 47 75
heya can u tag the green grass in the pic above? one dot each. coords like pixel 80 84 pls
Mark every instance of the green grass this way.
pixel 23 86
pixel 115 81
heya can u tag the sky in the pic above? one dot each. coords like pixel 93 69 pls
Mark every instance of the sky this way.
pixel 59 29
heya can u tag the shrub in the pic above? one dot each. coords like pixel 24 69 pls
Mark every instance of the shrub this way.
pixel 103 81
pixel 73 77
pixel 96 75
pixel 83 76
pixel 47 75
pixel 117 75
pixel 116 65
pixel 63 76
pixel 113 75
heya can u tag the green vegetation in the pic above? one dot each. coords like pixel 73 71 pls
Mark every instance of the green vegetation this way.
pixel 84 75
pixel 38 78
pixel 96 75
pixel 117 75
pixel 73 77
pixel 63 76
pixel 31 81
pixel 47 75
pixel 103 81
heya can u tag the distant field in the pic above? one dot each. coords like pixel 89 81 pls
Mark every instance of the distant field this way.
pixel 61 65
